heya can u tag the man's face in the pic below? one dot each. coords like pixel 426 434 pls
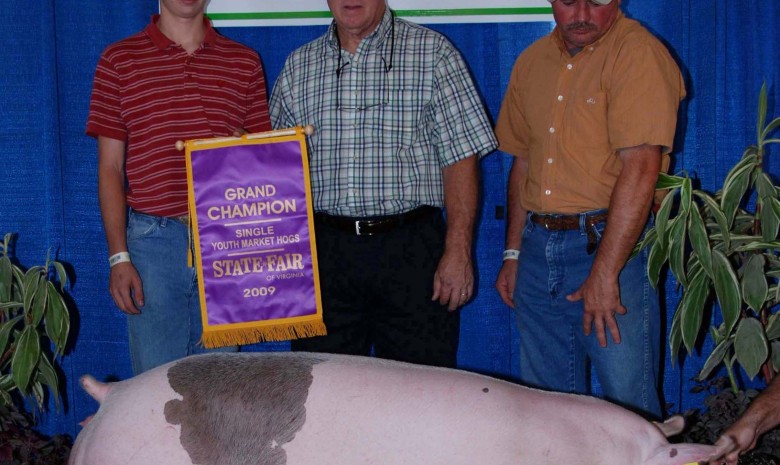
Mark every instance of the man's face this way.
pixel 357 17
pixel 184 9
pixel 583 22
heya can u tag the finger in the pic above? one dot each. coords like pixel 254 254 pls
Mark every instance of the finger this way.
pixel 124 301
pixel 587 323
pixel 576 296
pixel 601 333
pixel 613 329
pixel 436 289
pixel 504 293
pixel 138 292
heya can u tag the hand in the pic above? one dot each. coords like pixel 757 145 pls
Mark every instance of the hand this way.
pixel 453 282
pixel 125 285
pixel 737 439
pixel 505 283
pixel 601 302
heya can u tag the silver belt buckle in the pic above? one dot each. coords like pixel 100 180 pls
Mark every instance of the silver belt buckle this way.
pixel 357 228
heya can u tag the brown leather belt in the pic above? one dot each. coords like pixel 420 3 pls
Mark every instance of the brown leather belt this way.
pixel 572 222
pixel 376 224
pixel 566 222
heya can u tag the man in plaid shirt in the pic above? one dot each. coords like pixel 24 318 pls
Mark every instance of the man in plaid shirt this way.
pixel 399 130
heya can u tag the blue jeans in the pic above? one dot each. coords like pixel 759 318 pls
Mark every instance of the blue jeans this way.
pixel 169 326
pixel 554 352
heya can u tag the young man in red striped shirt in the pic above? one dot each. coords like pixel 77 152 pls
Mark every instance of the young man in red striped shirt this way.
pixel 177 79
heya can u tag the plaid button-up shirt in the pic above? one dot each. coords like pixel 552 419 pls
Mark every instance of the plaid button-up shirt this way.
pixel 387 118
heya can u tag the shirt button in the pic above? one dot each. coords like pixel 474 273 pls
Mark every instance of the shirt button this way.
pixel 549 161
pixel 569 66
pixel 552 130
pixel 547 192
pixel 560 98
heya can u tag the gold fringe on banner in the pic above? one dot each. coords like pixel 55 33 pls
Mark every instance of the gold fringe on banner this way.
pixel 279 331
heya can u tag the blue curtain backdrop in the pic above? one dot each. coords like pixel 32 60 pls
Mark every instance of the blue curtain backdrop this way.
pixel 48 182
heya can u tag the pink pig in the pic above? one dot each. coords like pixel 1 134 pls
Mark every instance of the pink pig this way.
pixel 318 409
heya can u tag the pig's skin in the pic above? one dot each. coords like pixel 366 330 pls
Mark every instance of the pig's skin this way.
pixel 353 410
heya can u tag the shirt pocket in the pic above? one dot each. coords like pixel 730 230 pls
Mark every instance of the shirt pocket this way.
pixel 585 123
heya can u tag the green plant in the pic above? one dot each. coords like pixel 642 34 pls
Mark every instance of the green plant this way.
pixel 32 310
pixel 715 247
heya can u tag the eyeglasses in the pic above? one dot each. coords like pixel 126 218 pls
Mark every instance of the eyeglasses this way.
pixel 385 64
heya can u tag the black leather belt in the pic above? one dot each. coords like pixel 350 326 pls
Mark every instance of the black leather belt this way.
pixel 376 224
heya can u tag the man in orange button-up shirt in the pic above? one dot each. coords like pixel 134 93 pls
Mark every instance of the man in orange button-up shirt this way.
pixel 590 114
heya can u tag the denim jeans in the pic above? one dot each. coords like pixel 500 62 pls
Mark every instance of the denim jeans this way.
pixel 169 326
pixel 554 352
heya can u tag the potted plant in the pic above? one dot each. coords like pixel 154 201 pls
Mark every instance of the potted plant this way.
pixel 34 327
pixel 723 248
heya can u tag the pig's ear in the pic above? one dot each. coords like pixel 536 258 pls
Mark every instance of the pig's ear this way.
pixel 95 388
pixel 673 425
pixel 684 454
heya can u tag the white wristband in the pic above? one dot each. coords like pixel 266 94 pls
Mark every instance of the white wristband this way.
pixel 511 254
pixel 118 258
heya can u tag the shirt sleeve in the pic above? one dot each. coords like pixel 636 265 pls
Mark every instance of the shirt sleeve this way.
pixel 105 112
pixel 279 105
pixel 462 127
pixel 257 117
pixel 512 128
pixel 644 96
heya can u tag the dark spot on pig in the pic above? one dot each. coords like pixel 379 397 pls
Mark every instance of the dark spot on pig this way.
pixel 485 390
pixel 673 453
pixel 240 409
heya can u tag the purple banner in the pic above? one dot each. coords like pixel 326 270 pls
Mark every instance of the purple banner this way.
pixel 253 232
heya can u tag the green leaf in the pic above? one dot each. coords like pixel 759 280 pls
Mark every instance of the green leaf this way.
pixel 48 376
pixel 713 209
pixel 677 233
pixel 769 128
pixel 692 308
pixel 57 320
pixel 655 261
pixel 764 186
pixel 754 284
pixel 668 181
pixel 39 304
pixel 685 195
pixel 31 280
pixel 773 327
pixel 5 331
pixel 727 289
pixel 757 245
pixel 6 277
pixel 750 346
pixel 650 238
pixel 699 240
pixel 776 356
pixel 675 334
pixel 736 185
pixel 25 359
pixel 662 217
pixel 715 358
pixel 62 275
pixel 761 111
pixel 769 220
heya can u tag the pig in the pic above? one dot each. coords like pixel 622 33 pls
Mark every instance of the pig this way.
pixel 320 409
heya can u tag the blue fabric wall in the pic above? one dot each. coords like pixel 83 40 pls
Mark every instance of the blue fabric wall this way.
pixel 48 170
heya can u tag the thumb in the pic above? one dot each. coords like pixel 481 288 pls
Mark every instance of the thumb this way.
pixel 575 296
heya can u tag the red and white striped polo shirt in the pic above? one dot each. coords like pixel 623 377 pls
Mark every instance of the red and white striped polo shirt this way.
pixel 149 93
